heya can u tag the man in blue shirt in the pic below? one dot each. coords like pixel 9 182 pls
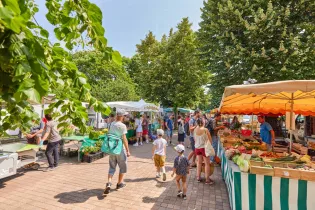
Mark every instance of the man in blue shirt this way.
pixel 266 133
pixel 169 127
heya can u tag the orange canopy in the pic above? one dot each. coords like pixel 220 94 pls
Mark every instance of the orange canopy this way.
pixel 296 96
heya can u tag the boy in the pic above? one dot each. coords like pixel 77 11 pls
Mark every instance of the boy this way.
pixel 159 154
pixel 181 168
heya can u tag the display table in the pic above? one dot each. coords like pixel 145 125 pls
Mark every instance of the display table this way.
pixel 258 192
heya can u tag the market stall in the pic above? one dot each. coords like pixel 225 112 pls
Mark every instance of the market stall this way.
pixel 255 178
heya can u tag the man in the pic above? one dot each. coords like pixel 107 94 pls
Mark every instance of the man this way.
pixel 214 128
pixel 53 137
pixel 118 129
pixel 110 120
pixel 169 128
pixel 192 126
pixel 266 133
pixel 145 128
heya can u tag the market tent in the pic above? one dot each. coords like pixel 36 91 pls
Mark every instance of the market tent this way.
pixel 181 110
pixel 138 106
pixel 293 96
pixel 297 96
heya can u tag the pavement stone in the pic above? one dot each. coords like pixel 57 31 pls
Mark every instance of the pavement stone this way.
pixel 80 186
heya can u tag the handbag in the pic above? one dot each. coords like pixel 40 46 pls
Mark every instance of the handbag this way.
pixel 209 149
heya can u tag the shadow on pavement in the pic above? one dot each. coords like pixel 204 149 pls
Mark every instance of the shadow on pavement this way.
pixel 79 196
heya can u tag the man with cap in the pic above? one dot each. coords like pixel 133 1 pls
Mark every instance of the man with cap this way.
pixel 119 129
pixel 192 126
pixel 214 128
pixel 266 133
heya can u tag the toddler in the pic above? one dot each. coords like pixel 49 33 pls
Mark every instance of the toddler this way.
pixel 181 168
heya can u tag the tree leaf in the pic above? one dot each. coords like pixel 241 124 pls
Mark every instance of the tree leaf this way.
pixel 14 6
pixel 44 33
pixel 116 57
pixel 33 95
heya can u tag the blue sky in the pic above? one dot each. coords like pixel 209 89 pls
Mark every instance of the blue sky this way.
pixel 126 22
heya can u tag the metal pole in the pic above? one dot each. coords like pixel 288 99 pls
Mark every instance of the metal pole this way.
pixel 291 116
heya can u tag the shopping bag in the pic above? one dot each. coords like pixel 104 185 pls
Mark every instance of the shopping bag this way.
pixel 112 145
pixel 209 149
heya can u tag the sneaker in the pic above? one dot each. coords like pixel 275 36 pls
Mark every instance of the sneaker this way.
pixel 184 197
pixel 167 144
pixel 179 194
pixel 147 141
pixel 107 188
pixel 158 176
pixel 164 177
pixel 141 143
pixel 136 144
pixel 49 169
pixel 121 185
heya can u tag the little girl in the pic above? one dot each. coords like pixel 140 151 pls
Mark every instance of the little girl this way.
pixel 181 168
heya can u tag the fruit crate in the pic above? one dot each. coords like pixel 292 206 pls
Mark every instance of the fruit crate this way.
pixel 93 157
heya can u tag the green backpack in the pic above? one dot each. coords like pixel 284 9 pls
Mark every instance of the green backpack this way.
pixel 112 145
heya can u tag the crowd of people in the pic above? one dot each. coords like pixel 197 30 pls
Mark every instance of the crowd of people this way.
pixel 201 131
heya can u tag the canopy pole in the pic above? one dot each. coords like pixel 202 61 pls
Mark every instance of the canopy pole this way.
pixel 291 116
pixel 252 123
pixel 43 107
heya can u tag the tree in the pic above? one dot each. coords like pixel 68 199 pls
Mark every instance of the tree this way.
pixel 109 81
pixel 31 67
pixel 268 41
pixel 169 71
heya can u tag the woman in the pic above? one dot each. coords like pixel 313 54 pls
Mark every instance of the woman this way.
pixel 235 125
pixel 139 130
pixel 202 136
pixel 181 130
pixel 53 137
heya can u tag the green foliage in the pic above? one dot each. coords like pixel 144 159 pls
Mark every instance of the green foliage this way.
pixel 268 41
pixel 31 67
pixel 109 81
pixel 169 71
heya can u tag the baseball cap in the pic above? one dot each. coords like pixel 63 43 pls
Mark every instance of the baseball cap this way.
pixel 179 148
pixel 121 112
pixel 160 132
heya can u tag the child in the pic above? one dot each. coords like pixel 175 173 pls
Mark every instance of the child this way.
pixel 181 168
pixel 159 154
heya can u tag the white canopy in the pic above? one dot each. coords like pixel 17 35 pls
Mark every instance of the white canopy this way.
pixel 137 106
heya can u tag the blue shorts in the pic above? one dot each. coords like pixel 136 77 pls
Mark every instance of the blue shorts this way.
pixel 169 133
pixel 192 143
pixel 120 160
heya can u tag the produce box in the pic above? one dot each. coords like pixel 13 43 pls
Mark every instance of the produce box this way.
pixel 274 163
pixel 308 175
pixel 256 163
pixel 262 170
pixel 287 173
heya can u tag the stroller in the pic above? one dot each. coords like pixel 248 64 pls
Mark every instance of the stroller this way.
pixel 151 136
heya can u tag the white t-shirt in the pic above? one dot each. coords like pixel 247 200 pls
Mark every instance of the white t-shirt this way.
pixel 159 146
pixel 118 128
pixel 138 123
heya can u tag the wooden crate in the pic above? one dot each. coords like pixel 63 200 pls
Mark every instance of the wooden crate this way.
pixel 262 170
pixel 308 175
pixel 275 163
pixel 287 173
pixel 257 163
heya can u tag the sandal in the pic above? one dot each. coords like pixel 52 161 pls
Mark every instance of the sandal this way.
pixel 198 179
pixel 209 182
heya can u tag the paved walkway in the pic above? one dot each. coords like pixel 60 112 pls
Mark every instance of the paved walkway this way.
pixel 80 186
